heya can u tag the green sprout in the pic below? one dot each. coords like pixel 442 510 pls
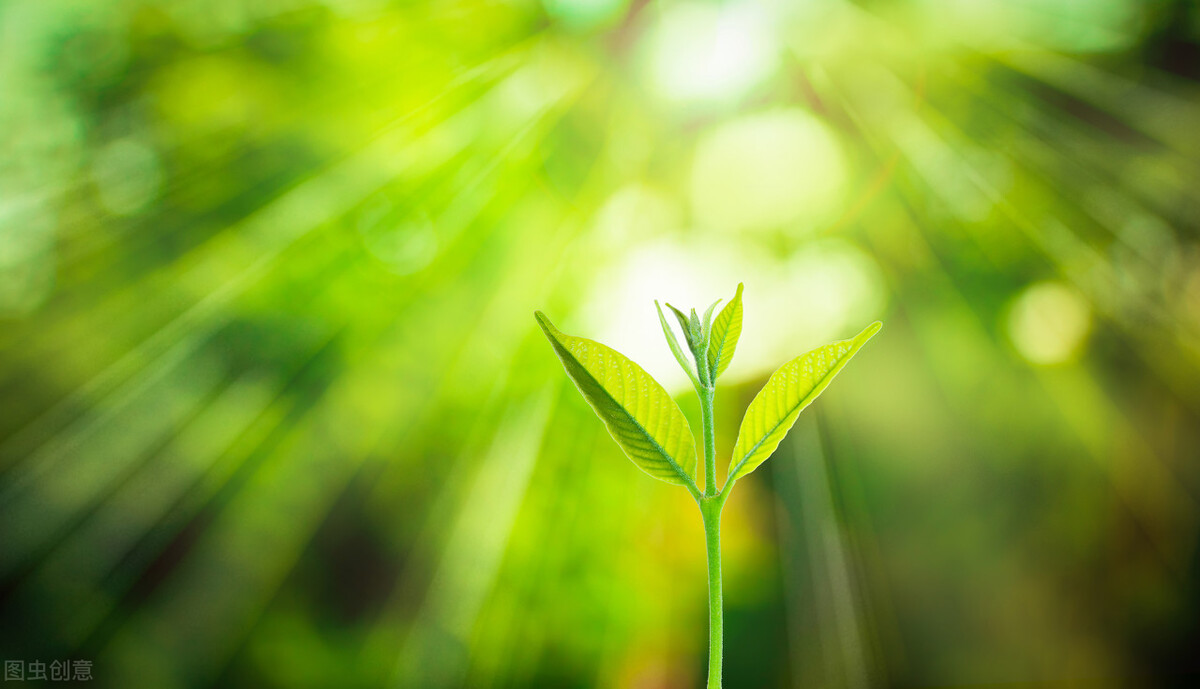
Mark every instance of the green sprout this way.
pixel 653 432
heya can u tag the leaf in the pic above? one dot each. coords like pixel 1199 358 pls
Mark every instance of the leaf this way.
pixel 706 324
pixel 789 390
pixel 695 331
pixel 673 343
pixel 683 320
pixel 691 328
pixel 638 412
pixel 724 337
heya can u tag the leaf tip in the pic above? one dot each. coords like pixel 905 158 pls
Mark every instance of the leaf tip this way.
pixel 869 331
pixel 544 322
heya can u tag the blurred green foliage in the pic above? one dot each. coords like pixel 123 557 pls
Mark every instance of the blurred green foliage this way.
pixel 273 412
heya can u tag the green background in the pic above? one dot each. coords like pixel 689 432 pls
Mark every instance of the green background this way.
pixel 274 411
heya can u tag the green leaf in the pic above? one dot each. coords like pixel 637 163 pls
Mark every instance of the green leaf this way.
pixel 638 412
pixel 692 330
pixel 673 343
pixel 679 316
pixel 706 325
pixel 695 330
pixel 724 337
pixel 789 390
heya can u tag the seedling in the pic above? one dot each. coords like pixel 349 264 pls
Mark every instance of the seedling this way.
pixel 654 434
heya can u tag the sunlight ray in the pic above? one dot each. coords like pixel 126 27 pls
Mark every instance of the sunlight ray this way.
pixel 1162 114
pixel 1084 265
pixel 1128 298
pixel 48 499
pixel 72 586
pixel 244 556
pixel 234 534
pixel 434 654
pixel 1162 504
pixel 825 599
pixel 238 258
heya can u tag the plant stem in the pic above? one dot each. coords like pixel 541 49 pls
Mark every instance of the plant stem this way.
pixel 710 509
pixel 711 503
pixel 710 440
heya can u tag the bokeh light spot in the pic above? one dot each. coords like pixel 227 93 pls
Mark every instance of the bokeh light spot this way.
pixel 1048 323
pixel 635 213
pixel 822 292
pixel 768 170
pixel 711 53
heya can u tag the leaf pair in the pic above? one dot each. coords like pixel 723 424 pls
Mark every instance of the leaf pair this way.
pixel 649 426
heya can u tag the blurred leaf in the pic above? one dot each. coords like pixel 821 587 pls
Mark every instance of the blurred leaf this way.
pixel 725 332
pixel 790 389
pixel 638 412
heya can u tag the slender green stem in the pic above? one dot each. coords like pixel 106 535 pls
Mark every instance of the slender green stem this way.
pixel 710 440
pixel 710 508
pixel 711 503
